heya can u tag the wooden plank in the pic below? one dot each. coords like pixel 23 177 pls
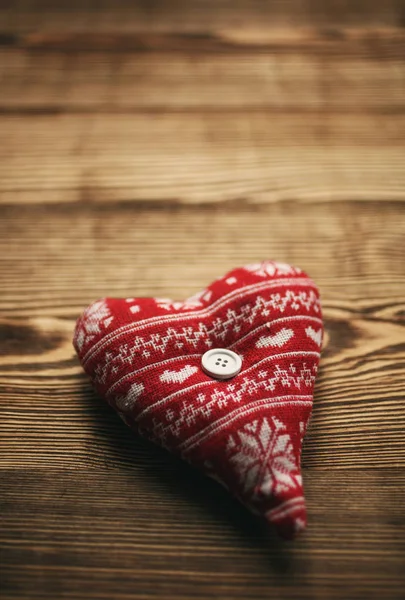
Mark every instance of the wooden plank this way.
pixel 193 16
pixel 188 530
pixel 191 158
pixel 376 41
pixel 73 254
pixel 325 77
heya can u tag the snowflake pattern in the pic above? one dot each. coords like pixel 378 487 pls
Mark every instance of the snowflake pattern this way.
pixel 263 458
pixel 271 268
pixel 95 316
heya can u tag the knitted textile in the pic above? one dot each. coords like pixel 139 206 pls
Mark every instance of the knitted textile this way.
pixel 144 356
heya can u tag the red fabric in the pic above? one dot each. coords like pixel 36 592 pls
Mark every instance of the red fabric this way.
pixel 144 356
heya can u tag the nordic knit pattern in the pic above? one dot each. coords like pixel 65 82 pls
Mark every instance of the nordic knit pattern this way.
pixel 144 356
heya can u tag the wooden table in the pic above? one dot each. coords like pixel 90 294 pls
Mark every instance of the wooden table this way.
pixel 146 148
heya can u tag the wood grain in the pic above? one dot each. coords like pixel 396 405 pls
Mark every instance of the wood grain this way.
pixel 204 542
pixel 22 16
pixel 205 158
pixel 146 148
pixel 294 75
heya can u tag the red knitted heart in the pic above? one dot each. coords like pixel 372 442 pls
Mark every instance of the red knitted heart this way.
pixel 144 356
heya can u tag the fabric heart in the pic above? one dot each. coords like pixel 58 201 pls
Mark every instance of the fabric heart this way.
pixel 144 355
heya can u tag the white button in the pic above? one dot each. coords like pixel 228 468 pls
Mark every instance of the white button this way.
pixel 220 363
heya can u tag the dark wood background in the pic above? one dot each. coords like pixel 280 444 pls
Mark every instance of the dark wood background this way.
pixel 146 148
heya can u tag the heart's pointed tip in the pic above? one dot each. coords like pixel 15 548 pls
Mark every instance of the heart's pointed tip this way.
pixel 288 518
